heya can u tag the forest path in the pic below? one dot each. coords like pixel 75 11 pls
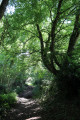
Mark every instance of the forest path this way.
pixel 25 109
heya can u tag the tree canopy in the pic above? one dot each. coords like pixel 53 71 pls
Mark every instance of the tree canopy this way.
pixel 56 24
pixel 41 30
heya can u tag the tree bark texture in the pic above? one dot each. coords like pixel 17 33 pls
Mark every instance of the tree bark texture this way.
pixel 3 7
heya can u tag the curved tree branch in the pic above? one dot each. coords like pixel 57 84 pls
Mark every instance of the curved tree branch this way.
pixel 41 39
pixel 75 34
pixel 54 24
pixel 45 60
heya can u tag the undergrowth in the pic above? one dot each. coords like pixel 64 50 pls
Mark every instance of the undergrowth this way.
pixel 6 102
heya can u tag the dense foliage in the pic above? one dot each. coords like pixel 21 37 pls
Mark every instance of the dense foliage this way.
pixel 6 102
pixel 40 46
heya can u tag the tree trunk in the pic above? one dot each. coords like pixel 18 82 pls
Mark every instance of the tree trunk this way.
pixel 3 7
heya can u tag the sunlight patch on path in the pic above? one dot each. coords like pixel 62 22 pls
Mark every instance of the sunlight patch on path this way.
pixel 33 118
pixel 25 109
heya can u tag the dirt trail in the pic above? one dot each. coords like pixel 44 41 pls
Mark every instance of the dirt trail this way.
pixel 25 109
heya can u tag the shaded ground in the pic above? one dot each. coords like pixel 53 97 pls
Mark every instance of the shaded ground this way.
pixel 26 108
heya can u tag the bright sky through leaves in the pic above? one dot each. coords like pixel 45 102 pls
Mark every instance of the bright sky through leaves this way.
pixel 10 9
pixel 0 1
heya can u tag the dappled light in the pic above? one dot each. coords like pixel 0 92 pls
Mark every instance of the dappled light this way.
pixel 39 59
pixel 25 109
pixel 34 118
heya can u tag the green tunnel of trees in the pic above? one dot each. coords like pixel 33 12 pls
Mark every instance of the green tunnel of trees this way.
pixel 40 40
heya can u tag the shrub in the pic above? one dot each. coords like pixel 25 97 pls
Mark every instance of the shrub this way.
pixel 3 89
pixel 37 91
pixel 6 102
